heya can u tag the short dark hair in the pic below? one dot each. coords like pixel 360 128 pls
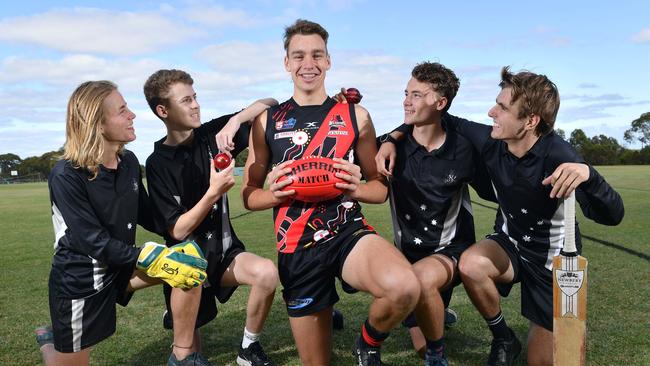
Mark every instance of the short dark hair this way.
pixel 156 88
pixel 441 79
pixel 304 27
pixel 538 95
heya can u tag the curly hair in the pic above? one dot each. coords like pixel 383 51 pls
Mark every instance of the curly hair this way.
pixel 156 88
pixel 441 79
pixel 539 96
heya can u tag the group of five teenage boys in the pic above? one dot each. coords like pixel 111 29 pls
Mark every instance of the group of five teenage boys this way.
pixel 427 163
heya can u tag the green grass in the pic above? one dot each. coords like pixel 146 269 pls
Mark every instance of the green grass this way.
pixel 619 325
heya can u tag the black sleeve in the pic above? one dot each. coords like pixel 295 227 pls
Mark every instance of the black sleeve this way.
pixel 599 201
pixel 214 126
pixel 166 208
pixel 146 216
pixel 86 233
pixel 477 133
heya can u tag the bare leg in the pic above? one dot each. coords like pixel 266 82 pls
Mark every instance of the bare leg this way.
pixel 419 343
pixel 52 357
pixel 313 337
pixel 262 276
pixel 540 346
pixel 185 308
pixel 377 267
pixel 435 273
pixel 481 266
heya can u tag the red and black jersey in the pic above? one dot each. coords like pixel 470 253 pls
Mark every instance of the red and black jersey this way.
pixel 293 132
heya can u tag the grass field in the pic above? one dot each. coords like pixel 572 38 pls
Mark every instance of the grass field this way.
pixel 619 324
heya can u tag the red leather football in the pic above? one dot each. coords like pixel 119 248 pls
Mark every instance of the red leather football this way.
pixel 352 95
pixel 221 161
pixel 313 179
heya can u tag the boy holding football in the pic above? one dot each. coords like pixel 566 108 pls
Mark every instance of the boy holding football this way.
pixel 313 124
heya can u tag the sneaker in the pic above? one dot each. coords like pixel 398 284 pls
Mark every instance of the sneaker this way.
pixel 450 317
pixel 503 352
pixel 366 355
pixel 44 335
pixel 253 355
pixel 337 319
pixel 434 359
pixel 194 359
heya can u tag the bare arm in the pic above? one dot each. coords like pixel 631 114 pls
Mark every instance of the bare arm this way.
pixel 227 134
pixel 374 190
pixel 220 183
pixel 254 195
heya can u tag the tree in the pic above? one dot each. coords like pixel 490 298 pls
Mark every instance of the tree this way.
pixel 579 140
pixel 560 132
pixel 9 162
pixel 640 130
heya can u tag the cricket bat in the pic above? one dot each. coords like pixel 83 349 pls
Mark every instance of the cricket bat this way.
pixel 569 297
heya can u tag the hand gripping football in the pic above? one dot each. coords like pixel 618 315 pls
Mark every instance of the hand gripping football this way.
pixel 314 179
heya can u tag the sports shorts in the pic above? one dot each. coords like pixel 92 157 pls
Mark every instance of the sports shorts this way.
pixel 308 275
pixel 211 290
pixel 453 252
pixel 536 284
pixel 81 323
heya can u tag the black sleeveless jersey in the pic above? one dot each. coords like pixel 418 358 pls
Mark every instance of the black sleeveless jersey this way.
pixel 293 132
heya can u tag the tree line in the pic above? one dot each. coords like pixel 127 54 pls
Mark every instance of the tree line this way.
pixel 596 150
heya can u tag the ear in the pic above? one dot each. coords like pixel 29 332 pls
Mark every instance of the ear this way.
pixel 441 104
pixel 286 63
pixel 329 61
pixel 532 121
pixel 161 111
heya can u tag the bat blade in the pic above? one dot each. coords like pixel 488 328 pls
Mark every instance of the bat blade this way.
pixel 569 297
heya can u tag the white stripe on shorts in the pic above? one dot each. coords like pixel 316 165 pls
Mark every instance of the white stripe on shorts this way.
pixel 77 323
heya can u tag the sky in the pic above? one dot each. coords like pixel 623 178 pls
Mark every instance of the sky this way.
pixel 597 53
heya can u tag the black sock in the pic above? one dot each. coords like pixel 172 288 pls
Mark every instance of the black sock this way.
pixel 499 327
pixel 437 346
pixel 371 336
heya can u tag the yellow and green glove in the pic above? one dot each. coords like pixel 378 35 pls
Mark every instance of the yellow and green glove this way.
pixel 182 265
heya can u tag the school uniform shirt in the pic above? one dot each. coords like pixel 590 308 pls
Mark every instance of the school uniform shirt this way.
pixel 534 222
pixel 430 193
pixel 179 176
pixel 94 224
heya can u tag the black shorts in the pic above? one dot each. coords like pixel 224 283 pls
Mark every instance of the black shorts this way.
pixel 81 323
pixel 536 284
pixel 308 275
pixel 211 289
pixel 453 252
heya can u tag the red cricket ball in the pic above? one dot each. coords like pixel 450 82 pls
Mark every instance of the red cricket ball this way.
pixel 353 96
pixel 222 161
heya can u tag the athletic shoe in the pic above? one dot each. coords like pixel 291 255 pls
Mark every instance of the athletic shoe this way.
pixel 337 319
pixel 44 335
pixel 434 359
pixel 503 352
pixel 366 355
pixel 194 359
pixel 450 317
pixel 253 355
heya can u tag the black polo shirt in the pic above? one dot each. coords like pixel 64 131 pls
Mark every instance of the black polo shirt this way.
pixel 94 224
pixel 533 221
pixel 430 193
pixel 179 176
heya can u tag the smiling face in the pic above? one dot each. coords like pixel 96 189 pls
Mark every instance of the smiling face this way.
pixel 422 105
pixel 507 124
pixel 308 61
pixel 117 125
pixel 183 110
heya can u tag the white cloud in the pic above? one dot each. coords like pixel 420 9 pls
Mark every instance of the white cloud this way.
pixel 90 30
pixel 643 36
pixel 218 16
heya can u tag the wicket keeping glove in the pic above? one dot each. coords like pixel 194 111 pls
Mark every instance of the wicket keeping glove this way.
pixel 182 265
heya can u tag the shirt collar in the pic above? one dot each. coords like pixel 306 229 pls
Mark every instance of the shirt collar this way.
pixel 446 151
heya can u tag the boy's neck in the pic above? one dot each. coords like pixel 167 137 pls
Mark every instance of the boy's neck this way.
pixel 315 97
pixel 178 137
pixel 430 135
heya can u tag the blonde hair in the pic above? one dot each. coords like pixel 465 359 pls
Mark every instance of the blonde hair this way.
pixel 84 143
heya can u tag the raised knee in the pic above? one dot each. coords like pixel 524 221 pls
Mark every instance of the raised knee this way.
pixel 266 275
pixel 473 267
pixel 406 290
